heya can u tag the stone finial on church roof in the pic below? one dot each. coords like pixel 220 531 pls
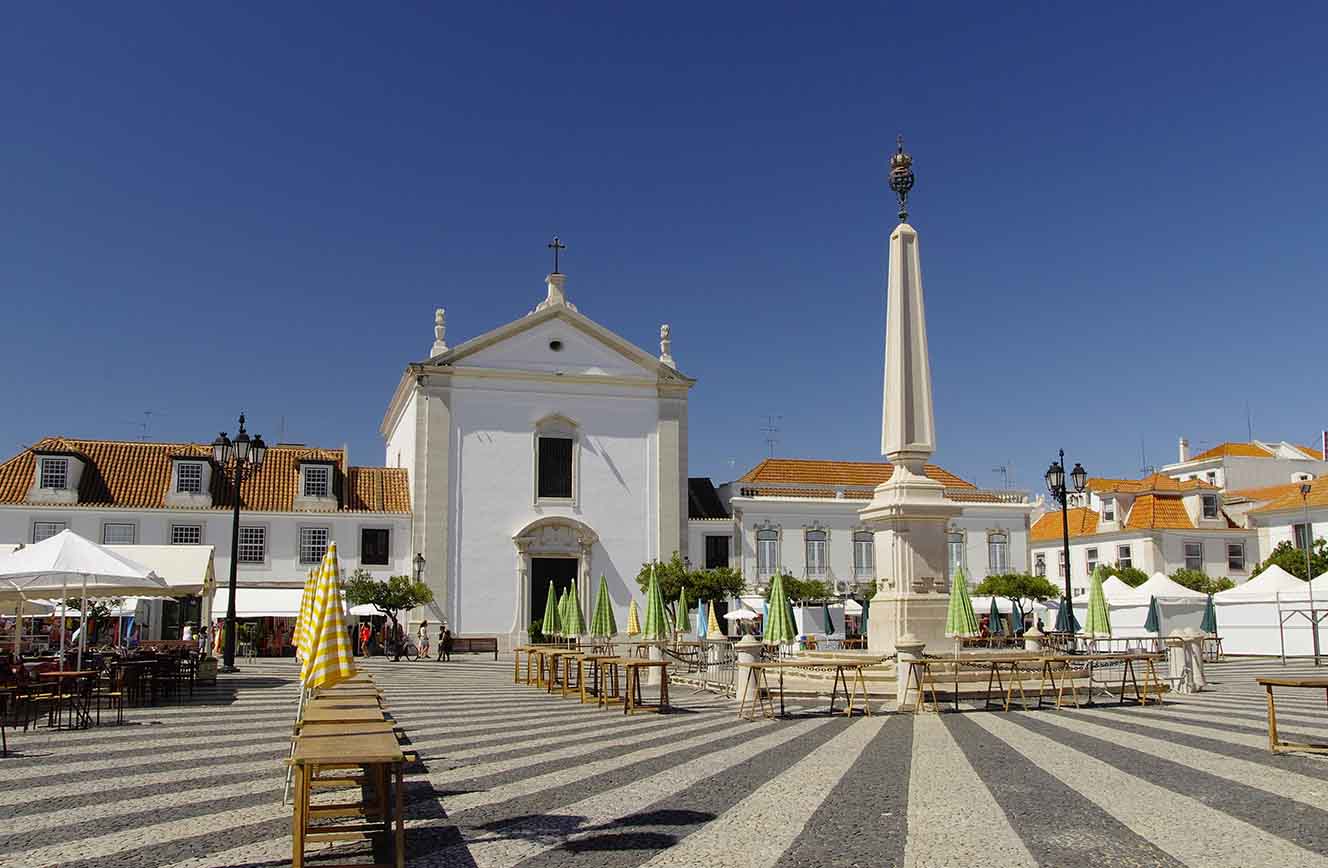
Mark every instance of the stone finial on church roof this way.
pixel 439 329
pixel 666 345
pixel 557 284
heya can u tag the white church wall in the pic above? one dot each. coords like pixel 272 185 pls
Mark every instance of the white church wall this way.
pixel 401 439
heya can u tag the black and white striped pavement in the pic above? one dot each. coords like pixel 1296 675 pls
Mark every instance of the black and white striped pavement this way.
pixel 512 777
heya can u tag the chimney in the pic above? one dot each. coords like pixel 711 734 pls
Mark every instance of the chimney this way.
pixel 1184 450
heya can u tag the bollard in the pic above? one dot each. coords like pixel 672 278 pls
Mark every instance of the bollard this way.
pixel 907 647
pixel 1033 638
pixel 656 652
pixel 749 652
pixel 1194 641
pixel 1178 672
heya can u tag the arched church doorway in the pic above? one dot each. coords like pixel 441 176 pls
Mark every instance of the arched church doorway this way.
pixel 561 572
pixel 557 549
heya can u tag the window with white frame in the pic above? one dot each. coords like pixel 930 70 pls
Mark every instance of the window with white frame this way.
pixel 954 541
pixel 118 534
pixel 46 529
pixel 1078 592
pixel 1109 510
pixel 1210 506
pixel 1236 557
pixel 1040 565
pixel 554 476
pixel 1194 556
pixel 1092 560
pixel 767 552
pixel 186 534
pixel 252 547
pixel 998 552
pixel 317 481
pixel 1300 535
pixel 375 546
pixel 864 554
pixel 189 477
pixel 1123 558
pixel 54 473
pixel 816 552
pixel 1060 563
pixel 313 544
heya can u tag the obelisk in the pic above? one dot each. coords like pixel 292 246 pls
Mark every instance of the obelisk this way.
pixel 908 513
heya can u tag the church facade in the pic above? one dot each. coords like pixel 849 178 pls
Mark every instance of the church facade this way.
pixel 548 450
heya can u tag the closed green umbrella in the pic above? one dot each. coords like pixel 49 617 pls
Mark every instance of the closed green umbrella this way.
pixel 1209 623
pixel 684 613
pixel 550 626
pixel 829 624
pixel 1098 621
pixel 1016 622
pixel 574 622
pixel 960 620
pixel 779 627
pixel 602 623
pixel 656 626
pixel 862 619
pixel 994 618
pixel 1066 622
pixel 1153 624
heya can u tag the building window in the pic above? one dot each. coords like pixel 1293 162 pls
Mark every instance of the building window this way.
pixel 313 544
pixel 998 552
pixel 1210 506
pixel 1060 563
pixel 317 480
pixel 46 529
pixel 955 545
pixel 864 554
pixel 186 534
pixel 555 467
pixel 1123 559
pixel 1236 557
pixel 1092 560
pixel 189 478
pixel 767 552
pixel 252 548
pixel 1194 556
pixel 54 473
pixel 1078 592
pixel 117 534
pixel 716 552
pixel 1212 477
pixel 374 545
pixel 1300 534
pixel 1040 565
pixel 816 553
pixel 1108 510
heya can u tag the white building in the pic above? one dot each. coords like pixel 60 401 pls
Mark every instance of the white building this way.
pixel 1249 465
pixel 1294 515
pixel 546 450
pixel 802 517
pixel 135 493
pixel 1155 524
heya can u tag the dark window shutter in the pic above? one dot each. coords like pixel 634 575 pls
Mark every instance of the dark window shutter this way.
pixel 555 467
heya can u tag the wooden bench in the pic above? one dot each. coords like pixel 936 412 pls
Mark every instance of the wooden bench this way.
pixel 475 645
pixel 1275 744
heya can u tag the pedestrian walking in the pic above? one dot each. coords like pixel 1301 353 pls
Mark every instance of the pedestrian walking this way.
pixel 365 633
pixel 422 639
pixel 446 643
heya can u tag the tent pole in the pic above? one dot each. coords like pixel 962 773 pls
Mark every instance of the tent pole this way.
pixel 1281 625
pixel 83 624
pixel 64 591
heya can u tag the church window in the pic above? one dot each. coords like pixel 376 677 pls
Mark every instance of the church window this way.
pixel 555 467
pixel 767 552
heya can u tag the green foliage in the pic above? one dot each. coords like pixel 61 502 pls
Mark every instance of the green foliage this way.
pixel 1292 559
pixel 803 590
pixel 1198 580
pixel 717 584
pixel 537 633
pixel 1132 576
pixel 1017 587
pixel 97 609
pixel 391 597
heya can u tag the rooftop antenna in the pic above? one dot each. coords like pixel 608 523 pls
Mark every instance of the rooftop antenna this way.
pixel 145 425
pixel 1004 471
pixel 770 429
pixel 1144 467
pixel 1249 424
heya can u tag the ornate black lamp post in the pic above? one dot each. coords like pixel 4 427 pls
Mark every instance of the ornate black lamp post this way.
pixel 248 455
pixel 1056 484
pixel 1305 489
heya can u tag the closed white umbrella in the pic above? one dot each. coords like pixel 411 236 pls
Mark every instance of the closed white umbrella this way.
pixel 53 562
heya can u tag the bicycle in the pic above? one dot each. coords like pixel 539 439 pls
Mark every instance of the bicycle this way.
pixel 408 650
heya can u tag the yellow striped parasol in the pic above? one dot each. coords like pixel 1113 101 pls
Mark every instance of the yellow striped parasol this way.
pixel 299 640
pixel 712 625
pixel 633 620
pixel 329 658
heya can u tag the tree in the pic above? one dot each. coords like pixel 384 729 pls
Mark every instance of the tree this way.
pixel 1017 587
pixel 1198 580
pixel 803 590
pixel 1292 559
pixel 1132 576
pixel 720 583
pixel 391 597
pixel 96 611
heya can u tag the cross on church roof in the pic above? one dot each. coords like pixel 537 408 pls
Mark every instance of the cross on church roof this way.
pixel 555 245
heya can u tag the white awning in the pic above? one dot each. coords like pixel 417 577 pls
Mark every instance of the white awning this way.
pixel 187 569
pixel 259 603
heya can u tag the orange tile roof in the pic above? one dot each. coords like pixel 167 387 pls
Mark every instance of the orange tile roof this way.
pixel 1157 482
pixel 1234 450
pixel 1293 499
pixel 1152 511
pixel 1266 492
pixel 838 474
pixel 1316 454
pixel 134 474
pixel 1083 522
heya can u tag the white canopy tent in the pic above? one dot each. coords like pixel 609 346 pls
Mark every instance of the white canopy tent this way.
pixel 260 602
pixel 1259 617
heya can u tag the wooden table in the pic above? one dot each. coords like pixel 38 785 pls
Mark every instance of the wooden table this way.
pixel 80 701
pixel 379 754
pixel 1275 744
pixel 607 667
pixel 567 660
pixel 552 656
pixel 323 712
pixel 757 682
pixel 588 665
pixel 1056 670
pixel 632 695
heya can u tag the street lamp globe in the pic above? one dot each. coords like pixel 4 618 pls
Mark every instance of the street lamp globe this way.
pixel 1056 478
pixel 242 444
pixel 257 450
pixel 221 449
pixel 1080 477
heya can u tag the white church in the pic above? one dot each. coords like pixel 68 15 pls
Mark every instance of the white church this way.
pixel 546 450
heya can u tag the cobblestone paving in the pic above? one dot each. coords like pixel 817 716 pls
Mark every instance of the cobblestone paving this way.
pixel 511 776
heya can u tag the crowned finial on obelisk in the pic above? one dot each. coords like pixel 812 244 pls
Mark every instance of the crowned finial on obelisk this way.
pixel 901 176
pixel 439 330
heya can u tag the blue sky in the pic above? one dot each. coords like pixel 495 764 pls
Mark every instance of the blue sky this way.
pixel 1120 212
